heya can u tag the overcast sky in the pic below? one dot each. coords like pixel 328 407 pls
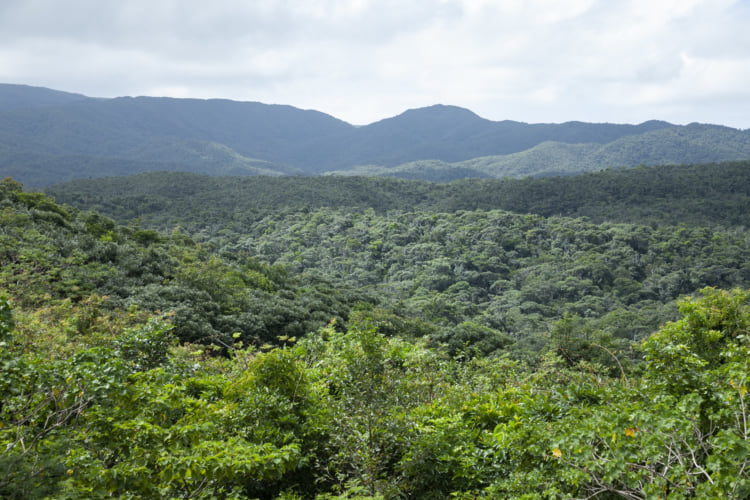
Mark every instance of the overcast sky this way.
pixel 623 61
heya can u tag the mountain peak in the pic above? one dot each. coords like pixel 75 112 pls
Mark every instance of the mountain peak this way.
pixel 431 118
pixel 442 112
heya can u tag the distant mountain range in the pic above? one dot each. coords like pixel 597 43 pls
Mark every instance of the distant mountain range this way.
pixel 48 136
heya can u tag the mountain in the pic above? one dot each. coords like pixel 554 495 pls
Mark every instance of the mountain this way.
pixel 205 136
pixel 47 136
pixel 452 134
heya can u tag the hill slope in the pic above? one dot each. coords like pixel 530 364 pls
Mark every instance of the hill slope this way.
pixel 707 195
pixel 694 143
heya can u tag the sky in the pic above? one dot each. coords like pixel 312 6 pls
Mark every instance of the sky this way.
pixel 535 61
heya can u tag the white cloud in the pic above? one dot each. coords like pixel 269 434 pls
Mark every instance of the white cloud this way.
pixel 362 60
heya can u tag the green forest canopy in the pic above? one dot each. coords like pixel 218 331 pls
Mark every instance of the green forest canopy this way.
pixel 322 351
pixel 705 195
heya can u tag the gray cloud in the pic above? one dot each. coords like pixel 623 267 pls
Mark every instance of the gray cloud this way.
pixel 362 60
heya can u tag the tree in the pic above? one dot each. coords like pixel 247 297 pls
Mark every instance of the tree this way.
pixel 683 431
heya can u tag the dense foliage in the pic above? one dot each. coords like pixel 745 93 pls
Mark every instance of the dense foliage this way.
pixel 512 275
pixel 359 414
pixel 325 351
pixel 52 255
pixel 488 279
pixel 697 195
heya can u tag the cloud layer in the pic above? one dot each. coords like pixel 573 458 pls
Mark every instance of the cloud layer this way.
pixel 363 60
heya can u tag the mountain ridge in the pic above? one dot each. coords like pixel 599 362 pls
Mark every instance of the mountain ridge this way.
pixel 17 96
pixel 43 130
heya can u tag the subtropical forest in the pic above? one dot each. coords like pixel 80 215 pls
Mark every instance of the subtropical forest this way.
pixel 176 335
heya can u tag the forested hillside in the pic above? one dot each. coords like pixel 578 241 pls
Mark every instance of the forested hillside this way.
pixel 703 195
pixel 325 351
pixel 694 143
pixel 50 253
pixel 453 256
pixel 48 137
